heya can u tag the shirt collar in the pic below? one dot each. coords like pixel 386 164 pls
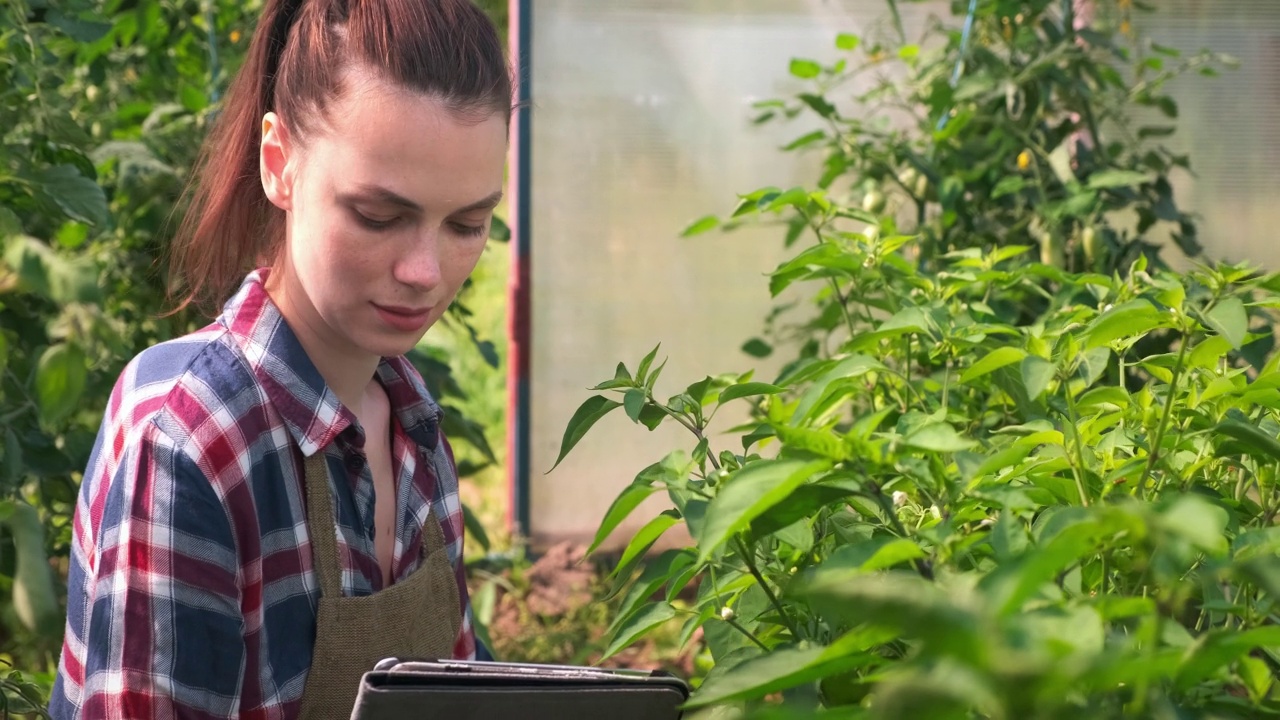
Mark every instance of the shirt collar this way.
pixel 311 411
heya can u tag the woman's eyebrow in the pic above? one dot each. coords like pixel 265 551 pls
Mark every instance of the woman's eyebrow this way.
pixel 488 203
pixel 378 193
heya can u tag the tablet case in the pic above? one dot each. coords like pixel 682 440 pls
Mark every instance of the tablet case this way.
pixel 460 690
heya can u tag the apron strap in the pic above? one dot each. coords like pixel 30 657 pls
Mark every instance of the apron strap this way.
pixel 322 526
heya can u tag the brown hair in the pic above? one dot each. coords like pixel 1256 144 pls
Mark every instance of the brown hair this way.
pixel 447 49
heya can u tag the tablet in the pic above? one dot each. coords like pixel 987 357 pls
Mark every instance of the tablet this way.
pixel 461 690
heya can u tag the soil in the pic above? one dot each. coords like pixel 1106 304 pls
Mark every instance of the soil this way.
pixel 562 584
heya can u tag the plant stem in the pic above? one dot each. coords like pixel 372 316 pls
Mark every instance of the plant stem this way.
pixel 1154 455
pixel 750 636
pixel 1078 466
pixel 749 559
pixel 844 308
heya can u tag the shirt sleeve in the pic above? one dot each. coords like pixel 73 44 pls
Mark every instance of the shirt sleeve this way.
pixel 155 627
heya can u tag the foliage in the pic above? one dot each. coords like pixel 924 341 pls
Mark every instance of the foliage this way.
pixel 994 483
pixel 103 104
pixel 1040 125
pixel 961 513
pixel 556 609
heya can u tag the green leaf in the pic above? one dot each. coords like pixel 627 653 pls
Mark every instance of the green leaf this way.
pixel 1263 571
pixel 903 602
pixel 651 416
pixel 627 501
pixel 1005 458
pixel 1117 178
pixel 1216 649
pixel 1008 185
pixel 747 494
pixel 474 527
pixel 691 626
pixel 1037 373
pixel 1136 317
pixel 702 225
pixel 938 437
pixel 671 470
pixel 78 196
pixel 483 603
pixel 1229 320
pixel 499 231
pixel 82 31
pixel 851 367
pixel 803 502
pixel 785 668
pixel 656 573
pixel 757 348
pixel 806 139
pixel 642 372
pixel 643 540
pixel 1255 441
pixel 1256 676
pixel 1012 583
pixel 10 224
pixel 748 389
pixel 633 402
pixel 805 69
pixel 992 361
pixel 642 622
pixel 876 553
pixel 621 379
pixel 60 378
pixel 1209 353
pixel 845 41
pixel 1199 521
pixel 588 414
pixel 13 465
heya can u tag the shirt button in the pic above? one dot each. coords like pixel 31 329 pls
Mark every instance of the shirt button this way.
pixel 355 462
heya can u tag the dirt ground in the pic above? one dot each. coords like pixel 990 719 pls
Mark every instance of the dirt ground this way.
pixel 557 609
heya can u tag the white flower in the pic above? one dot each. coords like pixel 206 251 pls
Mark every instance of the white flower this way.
pixel 899 498
pixel 726 613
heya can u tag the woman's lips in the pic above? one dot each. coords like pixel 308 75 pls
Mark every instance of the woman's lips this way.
pixel 404 319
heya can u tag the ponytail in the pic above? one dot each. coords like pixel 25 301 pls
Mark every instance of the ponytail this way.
pixel 448 49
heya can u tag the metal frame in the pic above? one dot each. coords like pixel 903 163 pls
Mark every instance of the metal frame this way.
pixel 520 22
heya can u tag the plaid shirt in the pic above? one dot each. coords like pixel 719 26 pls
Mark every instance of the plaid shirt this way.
pixel 191 592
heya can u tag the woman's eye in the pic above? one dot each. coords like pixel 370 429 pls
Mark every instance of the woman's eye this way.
pixel 468 230
pixel 373 223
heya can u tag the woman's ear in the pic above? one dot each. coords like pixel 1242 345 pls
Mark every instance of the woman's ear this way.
pixel 276 162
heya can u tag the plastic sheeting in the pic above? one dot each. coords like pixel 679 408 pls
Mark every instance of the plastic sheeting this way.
pixel 641 124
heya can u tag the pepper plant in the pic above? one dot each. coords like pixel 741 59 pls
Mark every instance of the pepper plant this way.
pixel 954 514
pixel 1036 122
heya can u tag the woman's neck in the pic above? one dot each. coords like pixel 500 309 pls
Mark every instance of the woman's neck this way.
pixel 346 369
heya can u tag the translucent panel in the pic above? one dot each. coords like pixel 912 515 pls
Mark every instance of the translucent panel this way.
pixel 640 125
pixel 1229 125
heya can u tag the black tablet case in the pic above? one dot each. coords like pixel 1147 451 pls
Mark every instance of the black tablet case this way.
pixel 456 690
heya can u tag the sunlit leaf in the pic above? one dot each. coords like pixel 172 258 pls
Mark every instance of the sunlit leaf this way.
pixel 588 414
pixel 747 494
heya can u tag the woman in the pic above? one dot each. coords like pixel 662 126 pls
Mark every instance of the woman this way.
pixel 270 507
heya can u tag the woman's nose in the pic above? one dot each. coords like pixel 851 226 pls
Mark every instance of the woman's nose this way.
pixel 419 265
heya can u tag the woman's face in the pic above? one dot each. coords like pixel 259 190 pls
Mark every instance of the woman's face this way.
pixel 388 204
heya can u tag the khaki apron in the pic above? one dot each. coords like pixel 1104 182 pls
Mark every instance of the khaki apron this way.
pixel 418 617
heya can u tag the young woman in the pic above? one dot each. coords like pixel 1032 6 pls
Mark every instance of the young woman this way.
pixel 270 507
